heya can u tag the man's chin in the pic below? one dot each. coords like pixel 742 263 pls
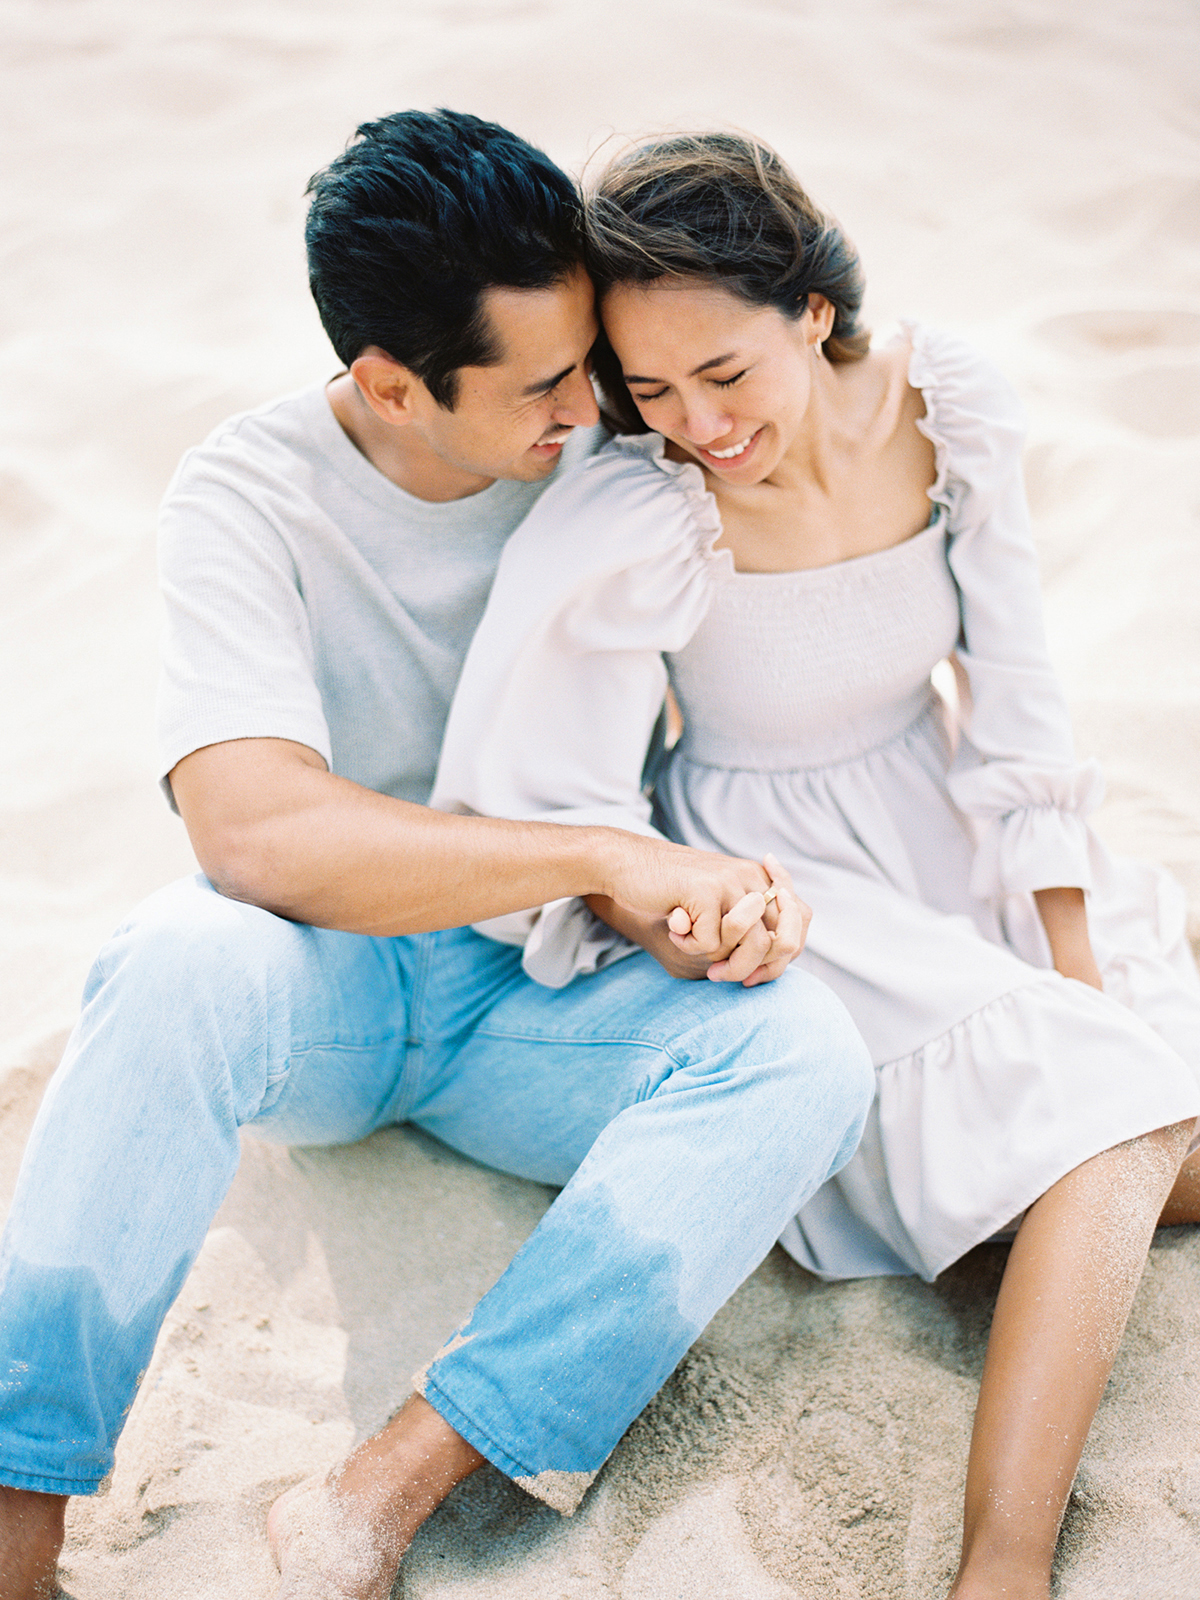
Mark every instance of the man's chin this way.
pixel 541 461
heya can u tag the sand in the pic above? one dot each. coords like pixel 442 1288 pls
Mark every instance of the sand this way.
pixel 1025 171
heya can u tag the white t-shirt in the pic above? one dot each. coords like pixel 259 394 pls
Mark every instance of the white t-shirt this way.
pixel 310 598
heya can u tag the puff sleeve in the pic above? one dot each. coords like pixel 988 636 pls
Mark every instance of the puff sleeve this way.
pixel 564 681
pixel 1014 770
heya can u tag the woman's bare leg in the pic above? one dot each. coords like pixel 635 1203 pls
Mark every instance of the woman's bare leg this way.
pixel 1183 1203
pixel 1062 1308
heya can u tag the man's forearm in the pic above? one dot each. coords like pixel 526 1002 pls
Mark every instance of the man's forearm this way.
pixel 282 832
pixel 407 869
pixel 271 825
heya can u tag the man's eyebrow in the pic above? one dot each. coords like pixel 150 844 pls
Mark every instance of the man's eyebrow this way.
pixel 544 385
pixel 717 361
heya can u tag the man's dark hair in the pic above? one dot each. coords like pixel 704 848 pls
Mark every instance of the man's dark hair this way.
pixel 419 215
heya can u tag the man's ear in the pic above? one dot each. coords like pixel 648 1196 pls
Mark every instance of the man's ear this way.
pixel 388 388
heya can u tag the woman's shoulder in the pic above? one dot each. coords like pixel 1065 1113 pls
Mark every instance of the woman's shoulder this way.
pixel 973 416
pixel 958 378
pixel 613 555
pixel 628 497
pixel 636 465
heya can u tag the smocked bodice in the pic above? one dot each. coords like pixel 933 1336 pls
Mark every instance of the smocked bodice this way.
pixel 805 669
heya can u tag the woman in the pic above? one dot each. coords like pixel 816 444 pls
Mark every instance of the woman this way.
pixel 806 525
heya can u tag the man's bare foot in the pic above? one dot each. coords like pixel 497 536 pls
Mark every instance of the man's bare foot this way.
pixel 31 1536
pixel 342 1537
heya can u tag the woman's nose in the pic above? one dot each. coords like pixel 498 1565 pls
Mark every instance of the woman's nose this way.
pixel 702 424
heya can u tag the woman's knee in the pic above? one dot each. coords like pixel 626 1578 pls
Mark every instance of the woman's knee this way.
pixel 1167 1147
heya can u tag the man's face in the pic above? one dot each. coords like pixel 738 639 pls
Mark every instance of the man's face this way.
pixel 512 419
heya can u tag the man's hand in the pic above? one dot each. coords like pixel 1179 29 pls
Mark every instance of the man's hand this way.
pixel 721 925
pixel 651 933
pixel 272 826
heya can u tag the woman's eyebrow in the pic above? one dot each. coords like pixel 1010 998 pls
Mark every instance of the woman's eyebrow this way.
pixel 717 361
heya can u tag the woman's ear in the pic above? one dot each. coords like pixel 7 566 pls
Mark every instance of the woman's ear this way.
pixel 821 311
pixel 388 388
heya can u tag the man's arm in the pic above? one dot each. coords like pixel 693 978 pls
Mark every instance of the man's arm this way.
pixel 271 825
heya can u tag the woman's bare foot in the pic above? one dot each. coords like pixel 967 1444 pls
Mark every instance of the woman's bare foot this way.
pixel 1000 1580
pixel 342 1537
pixel 31 1536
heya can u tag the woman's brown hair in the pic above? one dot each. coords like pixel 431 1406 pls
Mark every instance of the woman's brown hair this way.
pixel 722 208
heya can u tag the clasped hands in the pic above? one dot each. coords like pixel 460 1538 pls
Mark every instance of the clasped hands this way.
pixel 755 939
pixel 717 922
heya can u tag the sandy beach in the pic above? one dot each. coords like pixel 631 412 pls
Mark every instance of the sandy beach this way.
pixel 1027 172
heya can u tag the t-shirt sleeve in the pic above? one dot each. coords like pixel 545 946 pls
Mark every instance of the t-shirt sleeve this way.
pixel 237 655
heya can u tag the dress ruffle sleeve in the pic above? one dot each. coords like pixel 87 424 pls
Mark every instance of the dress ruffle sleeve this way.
pixel 564 681
pixel 1015 770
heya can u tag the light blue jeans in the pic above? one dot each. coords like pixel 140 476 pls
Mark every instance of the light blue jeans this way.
pixel 687 1121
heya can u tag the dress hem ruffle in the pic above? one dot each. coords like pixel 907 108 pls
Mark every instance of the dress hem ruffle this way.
pixel 914 1164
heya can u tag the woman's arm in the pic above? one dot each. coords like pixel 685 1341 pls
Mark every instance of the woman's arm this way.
pixel 1015 770
pixel 1064 917
pixel 559 694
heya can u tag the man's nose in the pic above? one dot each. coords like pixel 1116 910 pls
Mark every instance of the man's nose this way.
pixel 577 406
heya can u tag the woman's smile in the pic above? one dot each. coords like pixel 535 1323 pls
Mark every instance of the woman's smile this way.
pixel 735 455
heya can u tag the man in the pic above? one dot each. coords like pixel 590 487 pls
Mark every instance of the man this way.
pixel 325 561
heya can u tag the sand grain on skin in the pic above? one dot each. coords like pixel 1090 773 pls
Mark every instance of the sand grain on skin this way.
pixel 322 1553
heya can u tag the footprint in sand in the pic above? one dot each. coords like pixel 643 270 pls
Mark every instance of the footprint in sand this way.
pixel 1162 401
pixel 1160 211
pixel 23 509
pixel 1119 330
pixel 1157 397
pixel 701 1547
pixel 1060 475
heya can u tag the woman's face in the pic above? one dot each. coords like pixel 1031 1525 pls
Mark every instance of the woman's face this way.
pixel 728 383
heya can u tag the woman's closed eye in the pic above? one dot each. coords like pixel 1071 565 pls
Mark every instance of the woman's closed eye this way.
pixel 719 383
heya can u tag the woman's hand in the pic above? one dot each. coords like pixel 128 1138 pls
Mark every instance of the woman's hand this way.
pixel 1064 917
pixel 753 944
pixel 760 936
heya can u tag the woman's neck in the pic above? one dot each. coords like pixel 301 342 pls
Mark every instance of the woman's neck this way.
pixel 854 479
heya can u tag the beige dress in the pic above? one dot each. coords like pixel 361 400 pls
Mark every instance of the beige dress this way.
pixel 916 832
